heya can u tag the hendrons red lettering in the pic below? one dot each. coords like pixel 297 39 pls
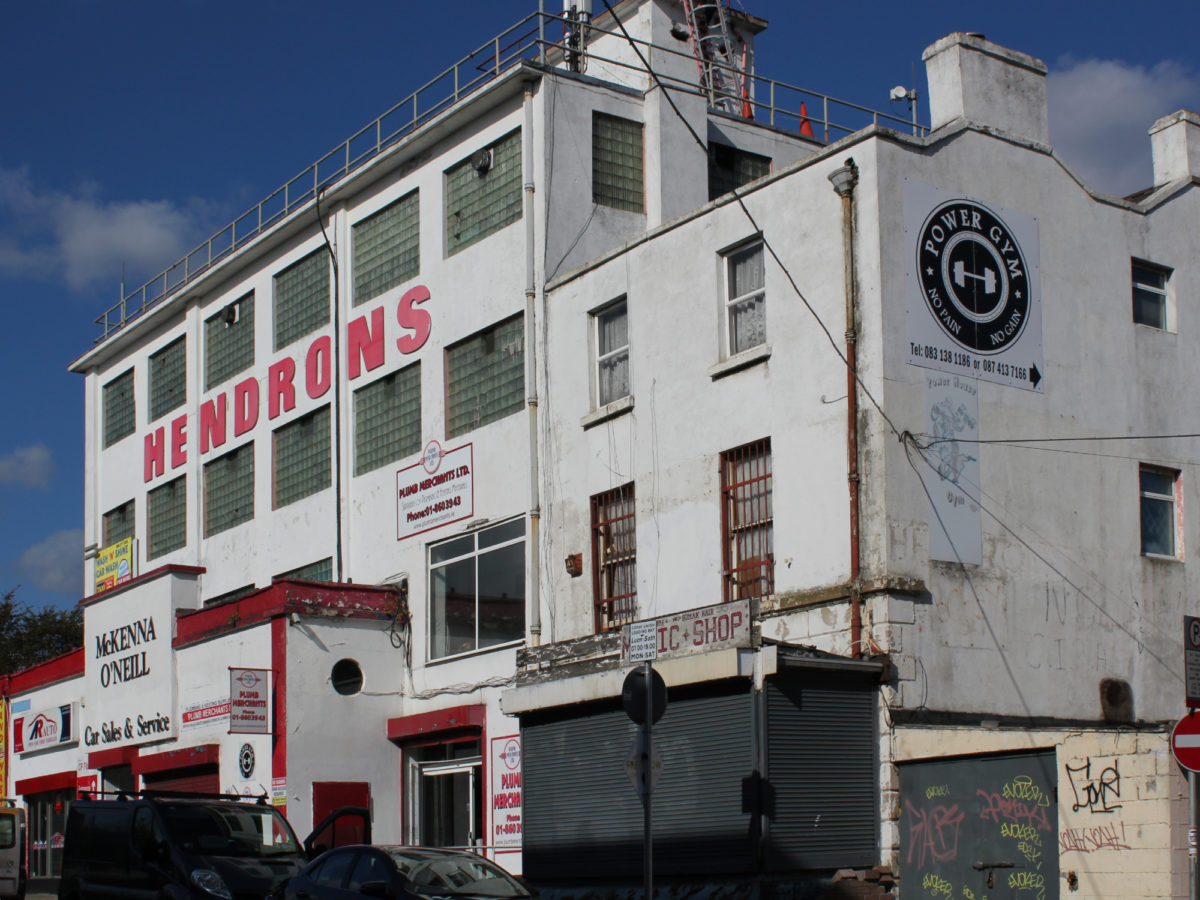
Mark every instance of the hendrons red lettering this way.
pixel 364 344
pixel 281 396
pixel 317 374
pixel 212 422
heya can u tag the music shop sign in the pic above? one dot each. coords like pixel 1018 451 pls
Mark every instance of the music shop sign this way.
pixel 129 674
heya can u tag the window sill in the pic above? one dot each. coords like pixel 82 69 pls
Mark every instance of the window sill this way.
pixel 743 360
pixel 1162 558
pixel 604 413
pixel 479 651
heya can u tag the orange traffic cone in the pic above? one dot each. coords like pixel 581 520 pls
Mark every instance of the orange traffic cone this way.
pixel 805 125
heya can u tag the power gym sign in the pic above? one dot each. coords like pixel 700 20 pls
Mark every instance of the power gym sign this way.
pixel 974 302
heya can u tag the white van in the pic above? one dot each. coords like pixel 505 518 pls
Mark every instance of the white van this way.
pixel 13 861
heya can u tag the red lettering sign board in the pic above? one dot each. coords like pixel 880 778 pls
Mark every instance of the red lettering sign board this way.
pixel 249 701
pixel 691 631
pixel 1185 742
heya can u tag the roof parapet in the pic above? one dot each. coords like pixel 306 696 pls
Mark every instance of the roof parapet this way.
pixel 1175 147
pixel 971 78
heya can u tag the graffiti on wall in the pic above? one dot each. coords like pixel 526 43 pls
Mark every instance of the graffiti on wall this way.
pixel 1096 791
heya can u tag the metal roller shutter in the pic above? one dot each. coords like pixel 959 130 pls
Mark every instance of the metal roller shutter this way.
pixel 583 818
pixel 198 780
pixel 822 767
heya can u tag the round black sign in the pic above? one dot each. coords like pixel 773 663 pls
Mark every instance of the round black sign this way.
pixel 633 695
pixel 246 760
pixel 973 276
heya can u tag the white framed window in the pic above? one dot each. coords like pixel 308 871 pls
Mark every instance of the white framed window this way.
pixel 477 590
pixel 1151 304
pixel 745 298
pixel 1159 502
pixel 610 325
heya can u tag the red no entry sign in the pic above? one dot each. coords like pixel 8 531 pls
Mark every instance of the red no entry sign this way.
pixel 1185 742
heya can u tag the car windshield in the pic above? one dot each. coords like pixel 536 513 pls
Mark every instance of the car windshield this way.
pixel 454 873
pixel 229 829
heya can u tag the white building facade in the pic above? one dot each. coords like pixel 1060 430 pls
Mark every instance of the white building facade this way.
pixel 869 424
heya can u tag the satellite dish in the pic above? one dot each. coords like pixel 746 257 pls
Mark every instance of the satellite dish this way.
pixel 481 161
pixel 899 92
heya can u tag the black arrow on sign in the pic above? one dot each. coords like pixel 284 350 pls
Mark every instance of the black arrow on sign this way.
pixel 1034 375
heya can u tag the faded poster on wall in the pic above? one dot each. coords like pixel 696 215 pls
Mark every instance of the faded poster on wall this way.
pixel 952 473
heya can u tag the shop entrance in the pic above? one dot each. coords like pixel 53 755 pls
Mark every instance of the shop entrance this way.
pixel 444 787
pixel 47 822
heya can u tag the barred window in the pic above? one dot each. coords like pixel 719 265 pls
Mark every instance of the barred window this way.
pixel 745 298
pixel 229 341
pixel 387 419
pixel 301 298
pixel 166 518
pixel 477 590
pixel 611 326
pixel 118 408
pixel 118 524
pixel 485 376
pixel 386 248
pixel 483 193
pixel 229 490
pixel 302 458
pixel 168 378
pixel 617 162
pixel 321 570
pixel 747 522
pixel 730 168
pixel 614 558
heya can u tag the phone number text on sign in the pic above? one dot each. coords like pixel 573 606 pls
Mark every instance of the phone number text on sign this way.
pixel 436 491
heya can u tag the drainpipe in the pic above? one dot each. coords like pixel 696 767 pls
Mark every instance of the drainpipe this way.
pixel 844 180
pixel 531 397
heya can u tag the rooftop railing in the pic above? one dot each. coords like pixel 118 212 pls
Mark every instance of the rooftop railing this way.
pixel 769 102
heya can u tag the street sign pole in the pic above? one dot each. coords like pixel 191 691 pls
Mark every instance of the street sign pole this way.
pixel 647 833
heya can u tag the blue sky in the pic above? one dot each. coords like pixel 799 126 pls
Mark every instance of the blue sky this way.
pixel 132 130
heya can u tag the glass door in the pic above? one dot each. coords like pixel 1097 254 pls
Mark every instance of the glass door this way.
pixel 445 797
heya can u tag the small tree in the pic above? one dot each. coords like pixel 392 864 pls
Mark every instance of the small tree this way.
pixel 33 636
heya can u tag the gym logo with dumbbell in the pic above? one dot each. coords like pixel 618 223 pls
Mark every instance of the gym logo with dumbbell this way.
pixel 973 276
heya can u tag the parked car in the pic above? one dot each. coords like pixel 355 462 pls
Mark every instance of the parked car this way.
pixel 402 873
pixel 13 861
pixel 178 846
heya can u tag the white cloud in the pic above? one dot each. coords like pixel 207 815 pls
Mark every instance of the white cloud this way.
pixel 27 467
pixel 1101 111
pixel 56 564
pixel 81 240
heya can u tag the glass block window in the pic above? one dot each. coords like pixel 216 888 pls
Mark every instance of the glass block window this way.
pixel 483 198
pixel 386 248
pixel 617 162
pixel 745 299
pixel 229 490
pixel 612 353
pixel 301 298
pixel 614 558
pixel 387 419
pixel 477 590
pixel 168 378
pixel 118 524
pixel 730 168
pixel 166 518
pixel 1150 294
pixel 229 341
pixel 1159 489
pixel 118 408
pixel 747 521
pixel 485 376
pixel 302 458
pixel 321 570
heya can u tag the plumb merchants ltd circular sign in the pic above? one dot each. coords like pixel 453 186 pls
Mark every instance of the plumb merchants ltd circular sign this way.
pixel 973 276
